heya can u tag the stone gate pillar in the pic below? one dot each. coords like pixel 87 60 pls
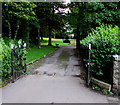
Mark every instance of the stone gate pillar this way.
pixel 116 73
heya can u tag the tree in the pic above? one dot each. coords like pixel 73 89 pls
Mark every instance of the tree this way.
pixel 46 12
pixel 87 15
pixel 75 19
pixel 27 23
pixel 15 14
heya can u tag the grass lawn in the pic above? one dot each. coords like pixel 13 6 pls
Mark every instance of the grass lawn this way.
pixel 54 41
pixel 35 53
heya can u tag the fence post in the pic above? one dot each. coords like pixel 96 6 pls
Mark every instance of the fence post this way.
pixel 12 60
pixel 24 47
pixel 89 60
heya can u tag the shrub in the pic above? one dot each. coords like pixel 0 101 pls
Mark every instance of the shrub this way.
pixel 66 40
pixel 105 42
pixel 5 56
pixel 5 70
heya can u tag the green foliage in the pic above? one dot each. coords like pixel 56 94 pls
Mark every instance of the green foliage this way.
pixel 106 92
pixel 21 10
pixel 5 70
pixel 103 90
pixel 3 85
pixel 31 20
pixel 105 42
pixel 92 14
pixel 19 56
pixel 5 57
pixel 95 87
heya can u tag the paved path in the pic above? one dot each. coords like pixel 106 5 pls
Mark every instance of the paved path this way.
pixel 53 82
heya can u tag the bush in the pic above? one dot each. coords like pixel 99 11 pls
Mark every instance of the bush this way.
pixel 66 40
pixel 5 70
pixel 105 42
pixel 5 57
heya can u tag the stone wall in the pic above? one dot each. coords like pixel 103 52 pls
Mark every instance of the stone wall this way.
pixel 116 72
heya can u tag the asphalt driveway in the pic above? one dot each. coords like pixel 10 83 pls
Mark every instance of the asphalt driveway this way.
pixel 54 81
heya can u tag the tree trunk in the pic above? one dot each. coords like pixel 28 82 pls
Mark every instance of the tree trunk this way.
pixel 41 37
pixel 78 38
pixel 78 27
pixel 40 34
pixel 50 35
pixel 28 37
pixel 39 43
pixel 25 32
pixel 16 32
pixel 9 26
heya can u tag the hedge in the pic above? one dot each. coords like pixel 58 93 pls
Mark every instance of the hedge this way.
pixel 105 42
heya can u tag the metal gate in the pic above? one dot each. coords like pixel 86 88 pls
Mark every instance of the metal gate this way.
pixel 18 59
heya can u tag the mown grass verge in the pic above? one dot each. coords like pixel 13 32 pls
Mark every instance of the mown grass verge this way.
pixel 35 53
